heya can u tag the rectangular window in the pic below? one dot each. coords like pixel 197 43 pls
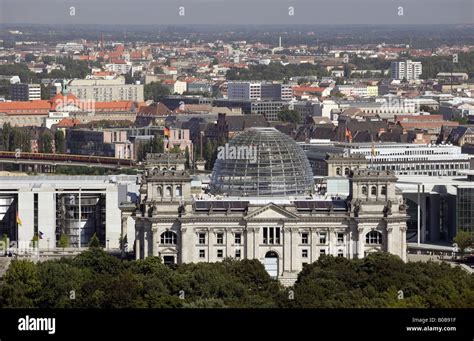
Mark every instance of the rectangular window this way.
pixel 304 238
pixel 340 238
pixel 202 253
pixel 322 238
pixel 304 253
pixel 237 254
pixel 271 235
pixel 322 252
pixel 238 238
pixel 220 238
pixel 202 238
pixel 220 253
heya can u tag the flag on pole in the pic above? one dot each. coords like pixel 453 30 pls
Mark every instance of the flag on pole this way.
pixel 166 132
pixel 18 220
pixel 40 235
pixel 348 135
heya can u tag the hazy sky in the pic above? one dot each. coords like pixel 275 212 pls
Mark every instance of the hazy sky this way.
pixel 237 12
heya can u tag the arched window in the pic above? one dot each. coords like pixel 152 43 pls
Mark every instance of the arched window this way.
pixel 383 190
pixel 169 237
pixel 159 190
pixel 338 171
pixel 178 191
pixel 364 190
pixel 346 171
pixel 373 238
pixel 168 191
pixel 373 191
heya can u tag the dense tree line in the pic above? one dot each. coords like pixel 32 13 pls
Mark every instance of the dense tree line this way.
pixel 379 281
pixel 291 116
pixel 155 91
pixel 98 280
pixel 433 65
pixel 155 145
pixel 73 69
pixel 14 138
pixel 275 71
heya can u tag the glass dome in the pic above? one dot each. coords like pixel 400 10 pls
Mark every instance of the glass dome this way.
pixel 262 162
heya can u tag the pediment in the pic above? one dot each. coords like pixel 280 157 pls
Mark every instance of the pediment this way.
pixel 271 211
pixel 168 251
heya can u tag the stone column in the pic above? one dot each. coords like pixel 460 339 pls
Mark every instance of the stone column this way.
pixel 185 244
pixel 229 237
pixel 124 233
pixel 155 240
pixel 330 240
pixel 350 246
pixel 403 233
pixel 145 244
pixel 314 241
pixel 211 257
pixel 249 242
pixel 360 243
pixel 286 234
pixel 256 244
pixel 389 239
pixel 137 246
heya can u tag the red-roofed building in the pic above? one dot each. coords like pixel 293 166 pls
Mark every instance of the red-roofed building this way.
pixel 68 123
pixel 39 107
pixel 307 91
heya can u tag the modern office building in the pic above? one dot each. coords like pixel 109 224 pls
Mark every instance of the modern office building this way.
pixel 102 142
pixel 465 207
pixel 265 208
pixel 406 69
pixel 106 90
pixel 251 90
pixel 270 109
pixel 76 206
pixel 25 92
pixel 400 158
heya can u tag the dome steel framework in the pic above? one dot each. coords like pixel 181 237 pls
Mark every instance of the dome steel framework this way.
pixel 279 168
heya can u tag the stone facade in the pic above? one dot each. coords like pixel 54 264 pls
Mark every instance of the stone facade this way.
pixel 283 233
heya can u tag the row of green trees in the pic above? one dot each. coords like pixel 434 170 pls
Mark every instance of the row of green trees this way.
pixel 13 138
pixel 275 71
pixel 95 279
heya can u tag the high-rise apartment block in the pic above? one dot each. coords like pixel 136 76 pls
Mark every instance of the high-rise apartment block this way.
pixel 406 69
pixel 25 92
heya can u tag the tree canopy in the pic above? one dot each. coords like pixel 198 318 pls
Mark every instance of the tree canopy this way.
pixel 100 280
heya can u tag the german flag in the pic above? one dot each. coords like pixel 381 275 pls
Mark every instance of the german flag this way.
pixel 18 220
pixel 166 132
pixel 348 135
